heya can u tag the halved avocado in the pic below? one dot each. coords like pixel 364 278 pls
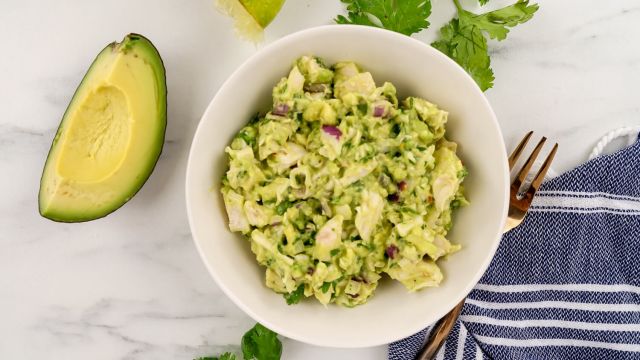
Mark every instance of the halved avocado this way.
pixel 110 136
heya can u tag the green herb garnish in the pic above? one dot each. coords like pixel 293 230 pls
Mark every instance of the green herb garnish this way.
pixel 403 16
pixel 295 296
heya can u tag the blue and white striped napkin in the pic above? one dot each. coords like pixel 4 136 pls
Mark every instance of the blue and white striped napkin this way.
pixel 565 284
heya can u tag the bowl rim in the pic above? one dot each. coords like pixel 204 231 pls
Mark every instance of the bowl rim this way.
pixel 249 62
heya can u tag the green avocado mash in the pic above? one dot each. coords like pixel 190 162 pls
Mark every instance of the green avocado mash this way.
pixel 340 183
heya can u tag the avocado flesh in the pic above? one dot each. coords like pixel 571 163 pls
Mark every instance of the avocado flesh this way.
pixel 110 136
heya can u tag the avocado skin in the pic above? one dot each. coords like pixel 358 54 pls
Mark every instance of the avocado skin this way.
pixel 130 40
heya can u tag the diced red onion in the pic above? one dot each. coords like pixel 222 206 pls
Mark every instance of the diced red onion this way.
pixel 280 109
pixel 378 111
pixel 391 251
pixel 402 185
pixel 332 130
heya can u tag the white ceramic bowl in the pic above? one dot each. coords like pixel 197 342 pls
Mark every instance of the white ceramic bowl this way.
pixel 415 69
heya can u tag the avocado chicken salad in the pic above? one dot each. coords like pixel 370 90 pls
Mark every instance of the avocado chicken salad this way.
pixel 340 182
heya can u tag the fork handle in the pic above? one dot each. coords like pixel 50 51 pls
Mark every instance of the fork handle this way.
pixel 440 332
pixel 443 327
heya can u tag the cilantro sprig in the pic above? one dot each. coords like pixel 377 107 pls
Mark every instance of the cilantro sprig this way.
pixel 464 39
pixel 259 343
pixel 403 16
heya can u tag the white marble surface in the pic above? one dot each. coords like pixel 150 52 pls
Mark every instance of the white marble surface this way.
pixel 131 286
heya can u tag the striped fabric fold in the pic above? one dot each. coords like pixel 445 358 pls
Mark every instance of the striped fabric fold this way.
pixel 565 284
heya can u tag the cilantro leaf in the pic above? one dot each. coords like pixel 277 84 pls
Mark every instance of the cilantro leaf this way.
pixel 295 296
pixel 466 45
pixel 403 16
pixel 325 287
pixel 495 23
pixel 260 343
pixel 283 206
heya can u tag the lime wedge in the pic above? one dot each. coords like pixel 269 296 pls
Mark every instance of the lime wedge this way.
pixel 251 16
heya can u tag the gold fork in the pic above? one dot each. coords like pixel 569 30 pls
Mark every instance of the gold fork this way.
pixel 519 203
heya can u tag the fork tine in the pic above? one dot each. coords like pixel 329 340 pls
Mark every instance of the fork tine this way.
pixel 535 184
pixel 522 175
pixel 518 150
